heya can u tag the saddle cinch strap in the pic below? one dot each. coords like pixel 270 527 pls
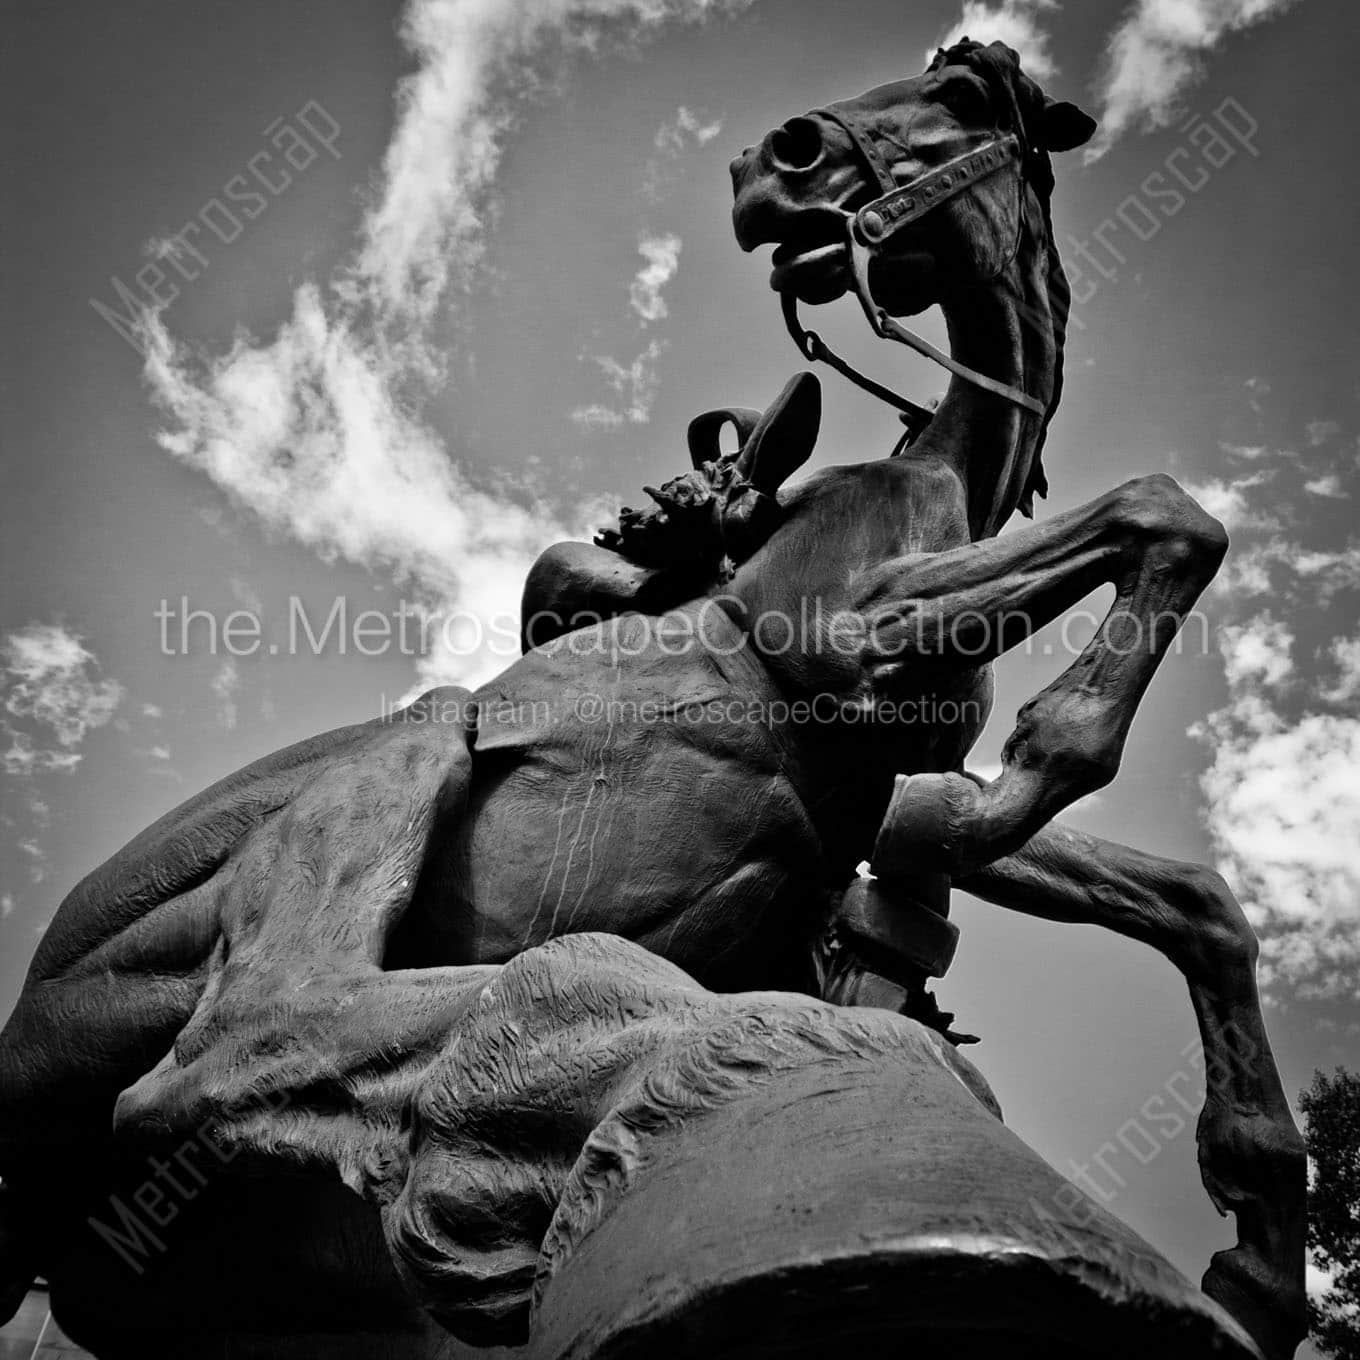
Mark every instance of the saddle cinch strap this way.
pixel 874 225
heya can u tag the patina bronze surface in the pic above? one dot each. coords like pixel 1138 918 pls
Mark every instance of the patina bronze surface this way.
pixel 556 1015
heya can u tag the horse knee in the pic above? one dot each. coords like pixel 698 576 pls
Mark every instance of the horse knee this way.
pixel 1157 507
pixel 1220 940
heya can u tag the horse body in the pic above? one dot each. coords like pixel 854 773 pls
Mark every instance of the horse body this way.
pixel 702 775
pixel 704 781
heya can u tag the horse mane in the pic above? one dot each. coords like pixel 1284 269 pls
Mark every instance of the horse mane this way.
pixel 999 66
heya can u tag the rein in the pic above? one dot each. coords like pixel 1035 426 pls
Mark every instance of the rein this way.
pixel 867 231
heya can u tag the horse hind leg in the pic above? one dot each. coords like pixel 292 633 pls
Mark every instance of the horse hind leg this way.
pixel 1251 1156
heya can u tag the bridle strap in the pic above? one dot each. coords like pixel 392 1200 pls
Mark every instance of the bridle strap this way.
pixel 889 328
pixel 876 222
pixel 866 231
pixel 812 346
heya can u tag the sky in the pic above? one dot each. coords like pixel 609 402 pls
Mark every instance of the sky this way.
pixel 357 307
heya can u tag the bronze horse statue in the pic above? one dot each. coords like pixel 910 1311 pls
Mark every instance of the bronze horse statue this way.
pixel 458 1007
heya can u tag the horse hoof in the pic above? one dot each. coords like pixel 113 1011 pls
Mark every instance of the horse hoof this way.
pixel 1271 1309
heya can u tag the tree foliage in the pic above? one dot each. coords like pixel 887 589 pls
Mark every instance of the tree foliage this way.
pixel 1331 1107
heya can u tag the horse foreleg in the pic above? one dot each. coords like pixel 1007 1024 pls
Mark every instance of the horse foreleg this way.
pixel 1250 1153
pixel 964 607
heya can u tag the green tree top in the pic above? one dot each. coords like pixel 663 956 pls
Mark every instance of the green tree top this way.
pixel 1331 1107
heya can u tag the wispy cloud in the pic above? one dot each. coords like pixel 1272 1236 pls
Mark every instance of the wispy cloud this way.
pixel 225 683
pixel 1283 797
pixel 53 697
pixel 688 128
pixel 36 857
pixel 1017 23
pixel 1328 485
pixel 1282 791
pixel 1344 688
pixel 1157 53
pixel 1229 499
pixel 1321 432
pixel 635 385
pixel 317 431
pixel 662 256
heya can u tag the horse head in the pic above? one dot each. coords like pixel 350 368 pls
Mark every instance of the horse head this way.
pixel 800 188
pixel 934 190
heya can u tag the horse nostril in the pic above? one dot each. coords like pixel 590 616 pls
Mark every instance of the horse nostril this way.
pixel 797 145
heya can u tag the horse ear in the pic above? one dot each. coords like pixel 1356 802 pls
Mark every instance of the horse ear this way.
pixel 786 435
pixel 1066 126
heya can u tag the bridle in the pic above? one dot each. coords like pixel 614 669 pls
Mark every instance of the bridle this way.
pixel 871 228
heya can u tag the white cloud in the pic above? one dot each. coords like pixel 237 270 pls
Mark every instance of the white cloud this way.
pixel 37 859
pixel 635 383
pixel 225 683
pixel 1345 657
pixel 686 127
pixel 1320 432
pixel 1250 570
pixel 662 256
pixel 1157 53
pixel 1329 570
pixel 317 431
pixel 6 906
pixel 1013 22
pixel 1283 814
pixel 455 112
pixel 1282 792
pixel 24 757
pixel 597 416
pixel 50 685
pixel 1328 485
pixel 1229 502
pixel 1257 651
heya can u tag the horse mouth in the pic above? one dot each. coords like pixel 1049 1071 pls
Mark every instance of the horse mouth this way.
pixel 814 274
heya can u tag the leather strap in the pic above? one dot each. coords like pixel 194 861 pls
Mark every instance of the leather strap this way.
pixel 879 221
pixel 889 328
pixel 812 346
pixel 876 222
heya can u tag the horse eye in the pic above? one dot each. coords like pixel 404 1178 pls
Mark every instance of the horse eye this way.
pixel 964 99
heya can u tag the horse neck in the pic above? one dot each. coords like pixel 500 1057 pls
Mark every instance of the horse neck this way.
pixel 1008 330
